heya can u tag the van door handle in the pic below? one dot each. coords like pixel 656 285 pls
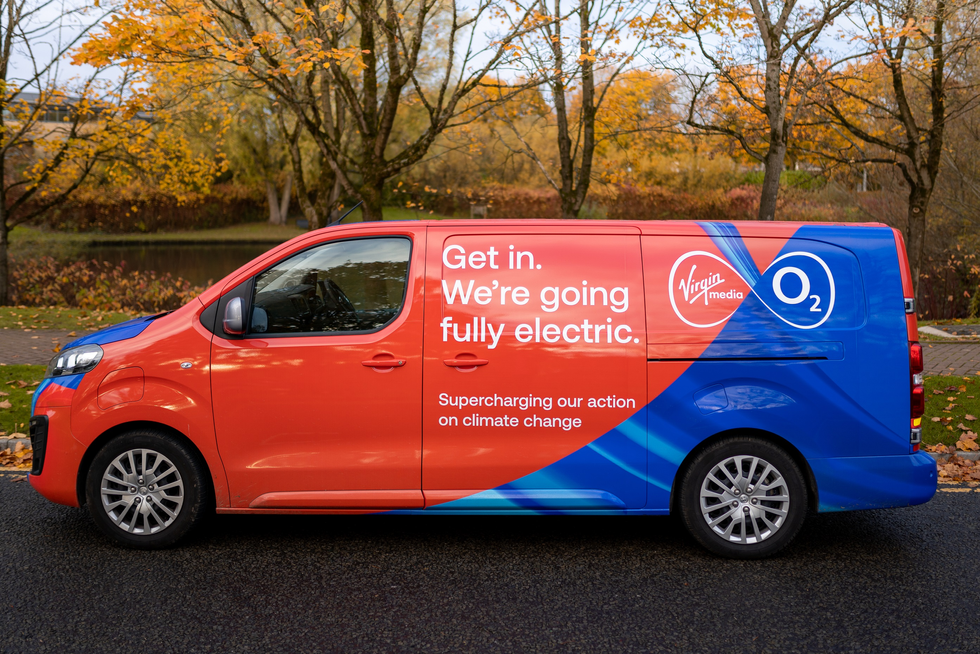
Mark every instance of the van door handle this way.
pixel 384 363
pixel 465 363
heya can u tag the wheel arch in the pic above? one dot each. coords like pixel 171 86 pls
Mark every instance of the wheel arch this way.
pixel 122 428
pixel 774 439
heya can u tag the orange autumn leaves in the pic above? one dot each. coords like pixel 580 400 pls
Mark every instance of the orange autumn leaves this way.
pixel 17 457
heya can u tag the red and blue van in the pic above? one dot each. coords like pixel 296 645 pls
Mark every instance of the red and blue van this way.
pixel 737 375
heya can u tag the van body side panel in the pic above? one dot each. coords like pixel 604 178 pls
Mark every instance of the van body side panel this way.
pixel 168 394
pixel 543 367
pixel 787 335
pixel 307 412
pixel 552 417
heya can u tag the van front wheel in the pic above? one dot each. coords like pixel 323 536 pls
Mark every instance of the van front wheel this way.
pixel 146 489
pixel 743 498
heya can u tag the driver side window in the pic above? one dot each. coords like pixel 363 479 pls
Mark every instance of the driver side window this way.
pixel 342 286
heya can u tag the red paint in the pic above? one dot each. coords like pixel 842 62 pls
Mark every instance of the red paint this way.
pixel 462 459
pixel 63 455
pixel 908 288
pixel 370 499
pixel 121 386
pixel 176 398
pixel 304 414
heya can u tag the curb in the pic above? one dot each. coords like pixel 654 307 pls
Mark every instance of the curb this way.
pixel 932 331
pixel 12 442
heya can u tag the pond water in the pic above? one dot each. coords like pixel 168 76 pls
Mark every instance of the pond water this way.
pixel 195 262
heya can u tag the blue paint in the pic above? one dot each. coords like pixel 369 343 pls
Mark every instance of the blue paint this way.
pixel 113 334
pixel 65 381
pixel 119 332
pixel 710 399
pixel 852 429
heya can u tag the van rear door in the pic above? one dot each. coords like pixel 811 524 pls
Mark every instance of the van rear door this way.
pixel 534 369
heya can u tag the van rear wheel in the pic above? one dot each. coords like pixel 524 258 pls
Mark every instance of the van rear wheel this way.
pixel 145 489
pixel 743 498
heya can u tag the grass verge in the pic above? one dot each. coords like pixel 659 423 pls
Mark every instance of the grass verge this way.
pixel 950 402
pixel 952 321
pixel 17 384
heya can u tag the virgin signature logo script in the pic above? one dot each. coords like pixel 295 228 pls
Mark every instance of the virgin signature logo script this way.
pixel 702 288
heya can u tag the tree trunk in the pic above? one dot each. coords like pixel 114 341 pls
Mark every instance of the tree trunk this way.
pixel 371 198
pixel 915 232
pixel 287 194
pixel 270 192
pixel 4 267
pixel 770 182
pixel 570 205
pixel 327 201
pixel 302 194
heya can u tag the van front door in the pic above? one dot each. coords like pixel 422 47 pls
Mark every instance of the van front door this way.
pixel 318 405
pixel 535 370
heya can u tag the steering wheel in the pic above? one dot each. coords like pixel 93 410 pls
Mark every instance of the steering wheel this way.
pixel 334 299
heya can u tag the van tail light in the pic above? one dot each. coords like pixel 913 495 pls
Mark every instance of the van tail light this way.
pixel 918 401
pixel 915 358
pixel 918 394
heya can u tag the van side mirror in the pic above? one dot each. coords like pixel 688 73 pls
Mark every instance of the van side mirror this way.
pixel 233 323
pixel 260 320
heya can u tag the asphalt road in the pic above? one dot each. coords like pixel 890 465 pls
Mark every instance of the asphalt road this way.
pixel 905 580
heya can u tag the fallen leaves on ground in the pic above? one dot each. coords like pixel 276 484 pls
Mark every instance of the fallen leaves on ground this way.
pixel 959 469
pixel 19 458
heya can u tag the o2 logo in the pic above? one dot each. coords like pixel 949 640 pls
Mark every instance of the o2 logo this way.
pixel 797 287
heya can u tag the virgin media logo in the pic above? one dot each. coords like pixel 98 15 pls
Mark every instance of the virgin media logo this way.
pixel 705 290
pixel 695 289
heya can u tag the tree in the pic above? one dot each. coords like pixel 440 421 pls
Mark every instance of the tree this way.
pixel 53 133
pixel 637 126
pixel 579 52
pixel 759 58
pixel 343 64
pixel 258 151
pixel 897 96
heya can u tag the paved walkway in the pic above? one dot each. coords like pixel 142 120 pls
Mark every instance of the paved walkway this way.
pixel 33 347
pixel 36 347
pixel 952 358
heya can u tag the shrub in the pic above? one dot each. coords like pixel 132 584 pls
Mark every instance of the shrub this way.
pixel 504 201
pixel 96 285
pixel 140 209
pixel 659 203
pixel 612 202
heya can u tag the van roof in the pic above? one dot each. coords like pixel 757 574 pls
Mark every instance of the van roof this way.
pixel 666 227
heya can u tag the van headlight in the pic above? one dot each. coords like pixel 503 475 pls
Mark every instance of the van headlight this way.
pixel 74 361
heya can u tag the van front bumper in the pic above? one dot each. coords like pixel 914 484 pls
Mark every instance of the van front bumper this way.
pixel 62 458
pixel 874 482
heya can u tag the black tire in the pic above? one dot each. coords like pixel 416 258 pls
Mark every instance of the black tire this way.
pixel 756 522
pixel 151 511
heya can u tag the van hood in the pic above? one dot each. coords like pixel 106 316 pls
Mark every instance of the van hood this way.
pixel 119 332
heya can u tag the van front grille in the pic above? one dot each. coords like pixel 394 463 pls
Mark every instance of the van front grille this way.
pixel 39 441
